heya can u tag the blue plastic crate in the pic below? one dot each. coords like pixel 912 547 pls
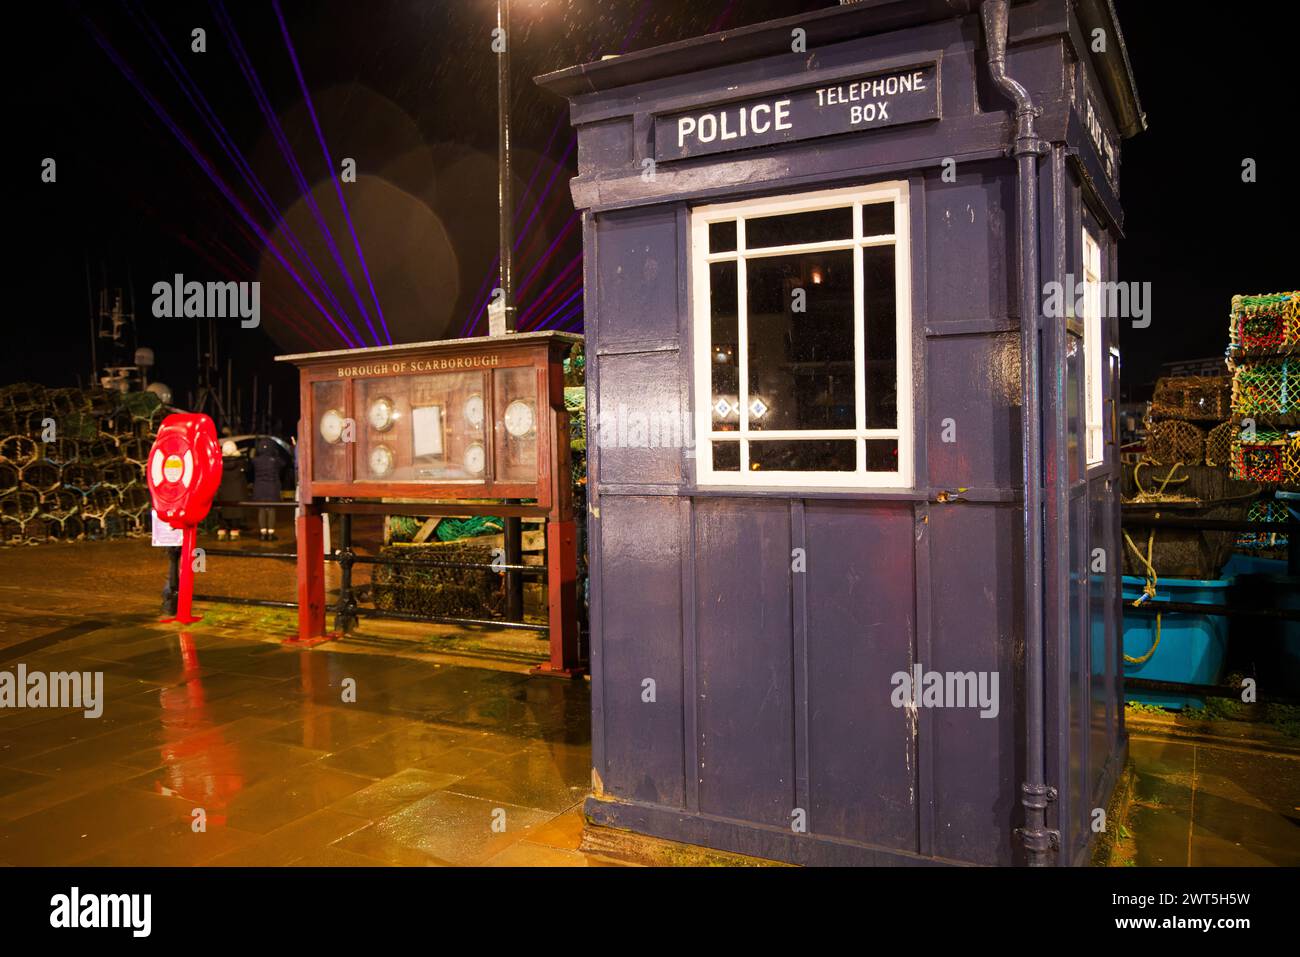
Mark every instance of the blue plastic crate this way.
pixel 1242 563
pixel 1275 642
pixel 1288 592
pixel 1192 646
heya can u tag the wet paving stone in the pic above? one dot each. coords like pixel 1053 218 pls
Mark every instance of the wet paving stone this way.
pixel 13 781
pixel 393 793
pixel 563 832
pixel 1208 805
pixel 332 729
pixel 535 778
pixel 95 821
pixel 277 801
pixel 380 846
pixel 457 829
pixel 214 769
pixel 63 728
pixel 340 755
pixel 460 761
pixel 293 841
pixel 524 854
pixel 334 856
pixel 175 844
pixel 393 752
pixel 56 789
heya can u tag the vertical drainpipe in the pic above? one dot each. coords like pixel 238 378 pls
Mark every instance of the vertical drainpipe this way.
pixel 1035 795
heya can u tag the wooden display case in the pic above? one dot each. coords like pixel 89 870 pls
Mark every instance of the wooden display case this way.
pixel 461 419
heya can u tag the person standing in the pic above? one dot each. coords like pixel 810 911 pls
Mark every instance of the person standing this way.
pixel 233 488
pixel 267 484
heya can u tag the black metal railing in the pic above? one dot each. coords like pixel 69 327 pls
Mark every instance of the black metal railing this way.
pixel 347 610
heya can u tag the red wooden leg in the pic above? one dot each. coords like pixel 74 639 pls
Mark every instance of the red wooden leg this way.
pixel 562 600
pixel 311 580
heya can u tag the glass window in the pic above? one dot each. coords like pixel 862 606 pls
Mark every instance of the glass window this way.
pixel 792 229
pixel 722 237
pixel 800 318
pixel 803 335
pixel 517 414
pixel 878 219
pixel 724 347
pixel 334 431
pixel 1093 369
pixel 421 428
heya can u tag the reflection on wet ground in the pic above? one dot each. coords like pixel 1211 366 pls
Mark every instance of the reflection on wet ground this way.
pixel 432 761
pixel 1213 804
pixel 213 749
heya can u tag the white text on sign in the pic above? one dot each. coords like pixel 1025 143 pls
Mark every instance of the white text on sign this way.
pixel 758 118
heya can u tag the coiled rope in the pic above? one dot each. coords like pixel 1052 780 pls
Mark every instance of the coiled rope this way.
pixel 1149 590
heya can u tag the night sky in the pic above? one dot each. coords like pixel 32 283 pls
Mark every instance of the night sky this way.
pixel 408 90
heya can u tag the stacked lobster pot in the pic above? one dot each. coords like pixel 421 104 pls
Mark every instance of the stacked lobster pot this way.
pixel 1183 410
pixel 1264 356
pixel 1182 472
pixel 72 463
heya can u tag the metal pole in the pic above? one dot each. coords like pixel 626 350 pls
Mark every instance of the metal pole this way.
pixel 345 617
pixel 513 531
pixel 94 329
pixel 505 214
pixel 1035 792
pixel 514 547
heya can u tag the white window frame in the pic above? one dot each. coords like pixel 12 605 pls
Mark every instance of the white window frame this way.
pixel 1093 396
pixel 701 217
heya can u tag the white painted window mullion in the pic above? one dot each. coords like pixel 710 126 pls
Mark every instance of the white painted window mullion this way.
pixel 739 212
pixel 742 343
pixel 903 384
pixel 859 343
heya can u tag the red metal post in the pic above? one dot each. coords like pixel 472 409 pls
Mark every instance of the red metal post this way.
pixel 185 596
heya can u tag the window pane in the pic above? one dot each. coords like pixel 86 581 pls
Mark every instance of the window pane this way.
pixel 878 219
pixel 517 412
pixel 723 351
pixel 818 455
pixel 422 428
pixel 329 457
pixel 722 237
pixel 882 455
pixel 880 337
pixel 800 328
pixel 1073 419
pixel 1092 347
pixel 726 456
pixel 819 226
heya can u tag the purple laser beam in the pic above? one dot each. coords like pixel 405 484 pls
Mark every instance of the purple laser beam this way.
pixel 198 157
pixel 329 163
pixel 286 151
pixel 209 116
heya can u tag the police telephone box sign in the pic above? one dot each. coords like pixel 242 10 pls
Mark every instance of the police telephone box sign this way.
pixel 854 103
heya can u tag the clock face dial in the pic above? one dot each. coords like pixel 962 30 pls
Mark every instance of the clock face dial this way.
pixel 519 418
pixel 475 459
pixel 381 414
pixel 381 460
pixel 474 411
pixel 331 426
